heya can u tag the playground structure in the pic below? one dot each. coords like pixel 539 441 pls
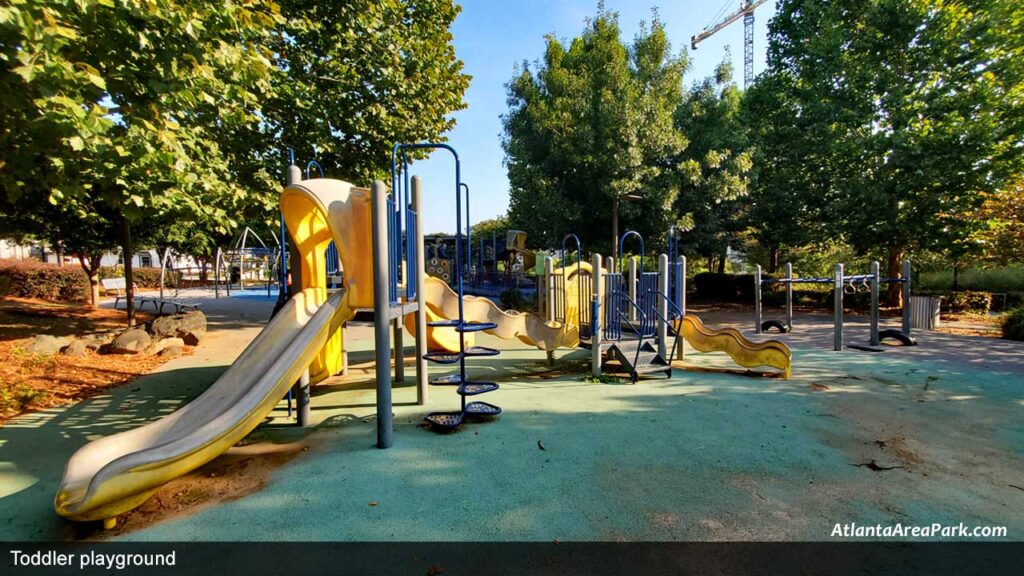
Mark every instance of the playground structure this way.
pixel 842 285
pixel 490 267
pixel 633 318
pixel 301 345
pixel 630 318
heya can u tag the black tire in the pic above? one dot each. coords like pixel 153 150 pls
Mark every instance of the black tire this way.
pixel 778 325
pixel 896 335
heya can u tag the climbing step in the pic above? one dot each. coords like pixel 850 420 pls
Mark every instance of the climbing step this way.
pixel 474 388
pixel 482 409
pixel 444 323
pixel 445 420
pixel 646 360
pixel 476 326
pixel 449 380
pixel 481 351
pixel 442 356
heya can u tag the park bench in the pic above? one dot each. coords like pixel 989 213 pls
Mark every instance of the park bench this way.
pixel 119 287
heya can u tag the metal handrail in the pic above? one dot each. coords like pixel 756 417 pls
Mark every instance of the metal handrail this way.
pixel 620 316
pixel 675 341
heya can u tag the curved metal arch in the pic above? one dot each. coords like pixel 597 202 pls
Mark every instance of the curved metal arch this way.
pixel 319 168
pixel 622 255
pixel 579 272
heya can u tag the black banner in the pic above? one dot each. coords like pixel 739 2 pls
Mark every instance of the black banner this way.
pixel 519 559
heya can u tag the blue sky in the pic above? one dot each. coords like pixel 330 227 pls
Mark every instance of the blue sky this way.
pixel 492 36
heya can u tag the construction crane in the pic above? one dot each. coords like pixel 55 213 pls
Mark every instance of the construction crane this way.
pixel 746 11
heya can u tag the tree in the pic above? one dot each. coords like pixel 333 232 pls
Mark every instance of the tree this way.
pixel 591 130
pixel 162 117
pixel 1000 225
pixel 715 166
pixel 484 228
pixel 916 105
pixel 119 105
pixel 782 204
pixel 355 77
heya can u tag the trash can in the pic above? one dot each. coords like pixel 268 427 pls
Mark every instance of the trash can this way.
pixel 924 312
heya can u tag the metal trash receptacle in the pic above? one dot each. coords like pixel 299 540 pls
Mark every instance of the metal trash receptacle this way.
pixel 924 312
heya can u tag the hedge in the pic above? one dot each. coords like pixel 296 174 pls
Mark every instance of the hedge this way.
pixel 143 277
pixel 962 301
pixel 1013 326
pixel 31 279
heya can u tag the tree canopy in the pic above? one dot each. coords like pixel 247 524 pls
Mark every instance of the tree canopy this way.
pixel 592 129
pixel 165 117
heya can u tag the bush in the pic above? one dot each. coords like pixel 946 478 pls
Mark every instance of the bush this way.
pixel 143 277
pixel 716 287
pixel 31 279
pixel 1013 326
pixel 513 299
pixel 962 301
pixel 1008 279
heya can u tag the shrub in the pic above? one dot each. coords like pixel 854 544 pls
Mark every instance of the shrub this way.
pixel 962 301
pixel 716 287
pixel 513 299
pixel 31 279
pixel 1013 326
pixel 143 277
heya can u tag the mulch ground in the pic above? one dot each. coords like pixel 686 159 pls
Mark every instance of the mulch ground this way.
pixel 30 382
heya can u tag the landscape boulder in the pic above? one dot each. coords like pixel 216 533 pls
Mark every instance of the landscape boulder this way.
pixel 159 346
pixel 47 344
pixel 77 347
pixel 171 352
pixel 131 341
pixel 97 341
pixel 189 326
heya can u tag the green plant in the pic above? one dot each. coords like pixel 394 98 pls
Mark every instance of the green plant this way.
pixel 513 299
pixel 30 279
pixel 19 397
pixel 1013 325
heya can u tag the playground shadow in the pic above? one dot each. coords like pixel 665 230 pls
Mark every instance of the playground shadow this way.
pixel 34 447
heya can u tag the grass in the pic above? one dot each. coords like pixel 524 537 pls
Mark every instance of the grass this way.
pixel 1008 279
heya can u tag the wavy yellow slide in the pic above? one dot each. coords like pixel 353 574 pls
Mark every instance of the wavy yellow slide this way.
pixel 112 475
pixel 742 351
pixel 443 303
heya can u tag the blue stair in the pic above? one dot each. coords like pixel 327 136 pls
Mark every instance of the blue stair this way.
pixel 450 421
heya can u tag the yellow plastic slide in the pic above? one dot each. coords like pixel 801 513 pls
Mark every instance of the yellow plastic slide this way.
pixel 729 340
pixel 443 303
pixel 112 475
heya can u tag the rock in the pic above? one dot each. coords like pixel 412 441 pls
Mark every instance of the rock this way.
pixel 189 326
pixel 171 352
pixel 77 347
pixel 97 341
pixel 131 341
pixel 161 345
pixel 47 344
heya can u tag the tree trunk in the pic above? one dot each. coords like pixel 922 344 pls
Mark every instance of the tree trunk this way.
pixel 894 267
pixel 711 263
pixel 773 259
pixel 91 266
pixel 129 284
pixel 721 264
pixel 204 274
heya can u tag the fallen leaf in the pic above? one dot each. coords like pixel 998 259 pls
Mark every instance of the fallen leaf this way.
pixel 435 570
pixel 876 467
pixel 541 446
pixel 374 503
